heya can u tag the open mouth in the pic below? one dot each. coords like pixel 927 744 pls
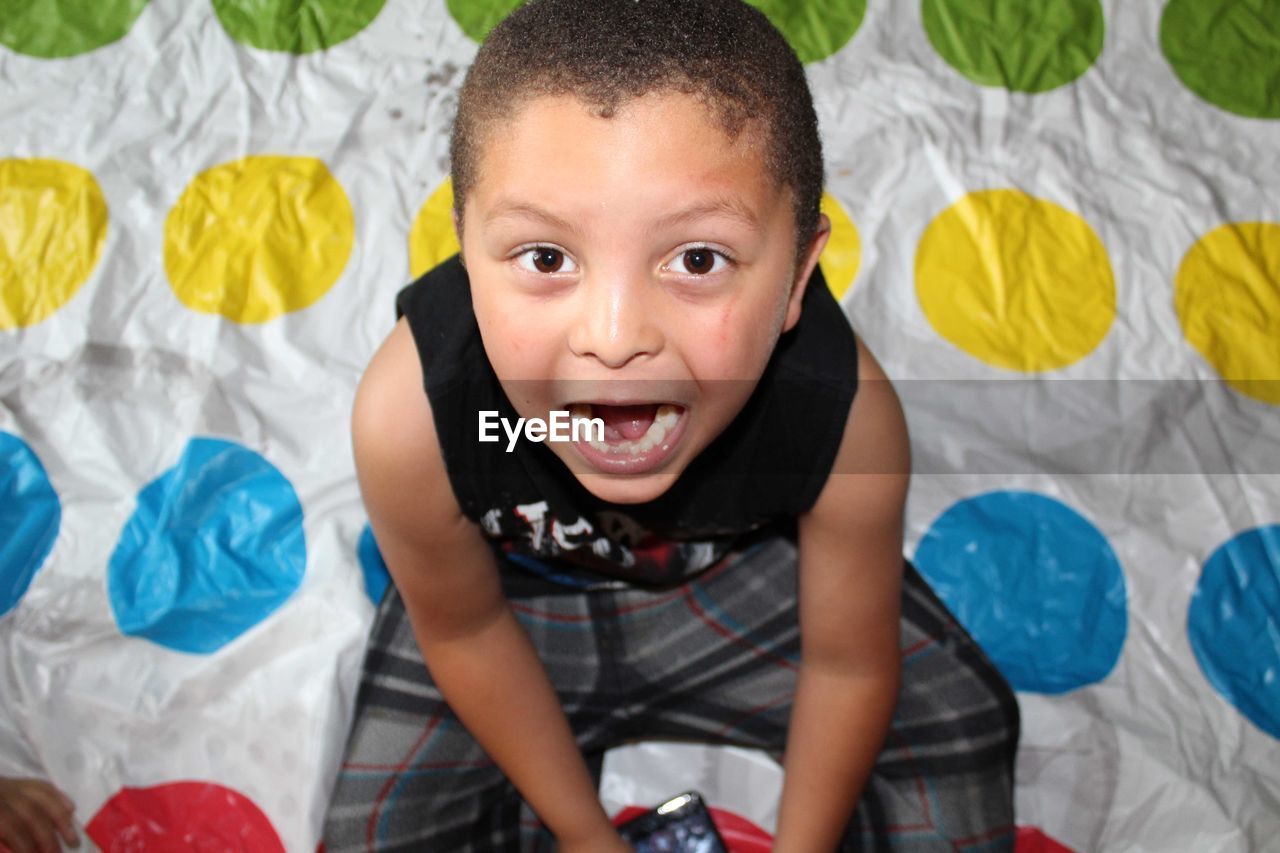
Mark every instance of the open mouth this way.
pixel 637 436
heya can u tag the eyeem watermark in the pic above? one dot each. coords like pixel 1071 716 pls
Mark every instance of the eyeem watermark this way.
pixel 561 427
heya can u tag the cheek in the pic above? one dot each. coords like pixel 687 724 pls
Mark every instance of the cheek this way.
pixel 747 328
pixel 507 334
pixel 732 343
pixel 724 328
pixel 515 352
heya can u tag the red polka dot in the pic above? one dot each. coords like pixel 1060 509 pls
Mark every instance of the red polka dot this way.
pixel 182 816
pixel 739 834
pixel 1032 839
pixel 627 814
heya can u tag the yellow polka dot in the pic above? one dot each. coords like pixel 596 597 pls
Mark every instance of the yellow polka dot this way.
pixel 53 221
pixel 432 238
pixel 1015 281
pixel 843 253
pixel 258 237
pixel 1227 295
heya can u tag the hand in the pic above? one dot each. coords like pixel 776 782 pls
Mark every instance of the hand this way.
pixel 33 814
pixel 605 841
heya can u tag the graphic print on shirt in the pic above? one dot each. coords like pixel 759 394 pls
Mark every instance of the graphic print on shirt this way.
pixel 616 546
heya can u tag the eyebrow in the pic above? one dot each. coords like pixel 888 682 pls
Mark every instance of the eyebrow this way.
pixel 509 207
pixel 728 206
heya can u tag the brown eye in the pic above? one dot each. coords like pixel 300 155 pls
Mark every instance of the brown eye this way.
pixel 547 260
pixel 700 261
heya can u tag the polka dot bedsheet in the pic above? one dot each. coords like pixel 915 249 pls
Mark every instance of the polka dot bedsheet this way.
pixel 1056 223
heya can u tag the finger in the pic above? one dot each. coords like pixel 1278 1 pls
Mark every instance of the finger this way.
pixel 17 844
pixel 67 825
pixel 13 832
pixel 32 826
pixel 67 829
pixel 12 842
pixel 59 809
pixel 52 801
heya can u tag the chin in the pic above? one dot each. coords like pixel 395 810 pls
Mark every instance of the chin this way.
pixel 625 489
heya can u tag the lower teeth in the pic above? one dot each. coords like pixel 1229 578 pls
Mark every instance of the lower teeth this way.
pixel 664 421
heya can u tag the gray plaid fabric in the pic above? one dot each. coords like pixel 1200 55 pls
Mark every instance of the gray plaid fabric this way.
pixel 713 660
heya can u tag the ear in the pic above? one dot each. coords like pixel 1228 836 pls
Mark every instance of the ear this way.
pixel 457 230
pixel 804 270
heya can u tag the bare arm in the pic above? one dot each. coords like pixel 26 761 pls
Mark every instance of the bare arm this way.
pixel 479 656
pixel 850 580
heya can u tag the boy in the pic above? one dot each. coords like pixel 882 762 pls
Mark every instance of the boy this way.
pixel 636 195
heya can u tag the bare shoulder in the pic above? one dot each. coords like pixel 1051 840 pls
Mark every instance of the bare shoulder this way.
pixel 397 452
pixel 391 423
pixel 868 480
pixel 440 562
pixel 851 540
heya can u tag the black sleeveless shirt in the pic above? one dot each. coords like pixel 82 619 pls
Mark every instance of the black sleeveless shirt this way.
pixel 764 470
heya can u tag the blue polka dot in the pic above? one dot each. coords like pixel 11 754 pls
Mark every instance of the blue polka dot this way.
pixel 376 577
pixel 1234 624
pixel 1036 585
pixel 215 545
pixel 30 515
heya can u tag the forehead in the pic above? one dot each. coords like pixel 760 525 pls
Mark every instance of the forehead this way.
pixel 655 153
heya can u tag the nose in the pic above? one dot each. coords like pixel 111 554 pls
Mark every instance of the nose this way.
pixel 616 323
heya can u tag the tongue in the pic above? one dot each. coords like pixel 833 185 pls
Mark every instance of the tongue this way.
pixel 625 422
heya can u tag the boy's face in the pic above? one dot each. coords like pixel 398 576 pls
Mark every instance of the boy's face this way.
pixel 638 269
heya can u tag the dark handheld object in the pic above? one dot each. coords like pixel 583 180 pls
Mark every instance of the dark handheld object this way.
pixel 680 825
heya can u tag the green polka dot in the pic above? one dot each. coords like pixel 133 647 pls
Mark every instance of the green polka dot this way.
pixel 477 17
pixel 295 26
pixel 56 29
pixel 1021 45
pixel 816 29
pixel 1227 52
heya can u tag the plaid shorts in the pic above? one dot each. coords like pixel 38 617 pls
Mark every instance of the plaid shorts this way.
pixel 713 660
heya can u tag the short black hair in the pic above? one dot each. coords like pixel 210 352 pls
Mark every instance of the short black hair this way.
pixel 605 52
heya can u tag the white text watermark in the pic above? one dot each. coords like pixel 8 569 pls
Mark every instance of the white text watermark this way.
pixel 561 427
